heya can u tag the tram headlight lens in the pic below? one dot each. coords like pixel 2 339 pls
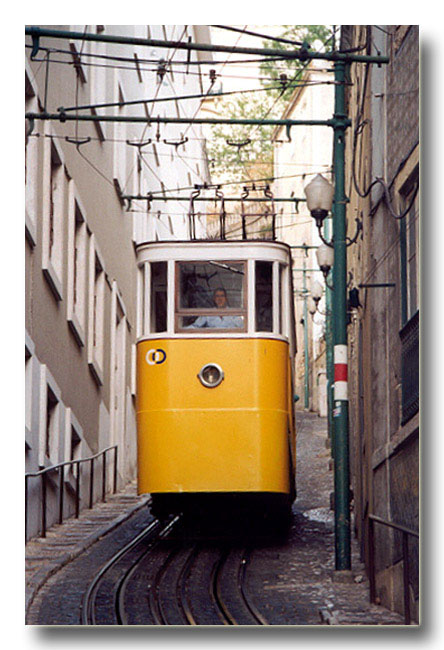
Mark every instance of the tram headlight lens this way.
pixel 211 375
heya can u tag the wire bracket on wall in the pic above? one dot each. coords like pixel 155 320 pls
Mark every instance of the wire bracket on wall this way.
pixel 77 141
pixel 176 143
pixel 139 145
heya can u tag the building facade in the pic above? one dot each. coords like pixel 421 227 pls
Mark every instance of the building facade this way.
pixel 382 172
pixel 82 281
pixel 296 162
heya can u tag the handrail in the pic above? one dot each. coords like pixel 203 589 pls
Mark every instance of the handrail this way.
pixel 60 467
pixel 372 519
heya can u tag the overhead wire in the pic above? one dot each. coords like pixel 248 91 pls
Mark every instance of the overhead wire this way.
pixel 277 39
pixel 243 181
pixel 78 145
pixel 159 154
pixel 139 155
pixel 154 69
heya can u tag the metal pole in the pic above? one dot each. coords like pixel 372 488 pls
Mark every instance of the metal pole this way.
pixel 304 53
pixel 371 559
pixel 329 347
pixel 63 117
pixel 405 557
pixel 306 367
pixel 115 470
pixel 104 477
pixel 26 508
pixel 91 482
pixel 62 476
pixel 340 413
pixel 44 505
pixel 210 199
pixel 78 491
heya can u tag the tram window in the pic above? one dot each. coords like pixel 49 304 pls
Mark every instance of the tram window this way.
pixel 158 297
pixel 211 295
pixel 264 296
pixel 282 288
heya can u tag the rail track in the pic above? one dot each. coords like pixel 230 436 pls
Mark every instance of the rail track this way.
pixel 165 577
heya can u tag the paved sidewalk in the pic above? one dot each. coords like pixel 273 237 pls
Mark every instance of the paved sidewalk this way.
pixel 310 565
pixel 66 541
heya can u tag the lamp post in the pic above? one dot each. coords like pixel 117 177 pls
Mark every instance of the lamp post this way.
pixel 319 195
pixel 325 258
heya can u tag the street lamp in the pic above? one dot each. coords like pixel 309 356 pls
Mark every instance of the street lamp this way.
pixel 319 193
pixel 316 291
pixel 325 256
pixel 311 305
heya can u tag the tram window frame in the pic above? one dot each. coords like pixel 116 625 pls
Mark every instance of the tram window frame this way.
pixel 269 329
pixel 181 312
pixel 153 304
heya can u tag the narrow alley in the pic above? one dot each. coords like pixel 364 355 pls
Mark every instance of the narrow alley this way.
pixel 290 582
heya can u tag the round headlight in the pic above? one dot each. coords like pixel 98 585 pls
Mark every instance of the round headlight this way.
pixel 211 375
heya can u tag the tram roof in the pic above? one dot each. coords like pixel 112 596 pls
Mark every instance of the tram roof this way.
pixel 200 248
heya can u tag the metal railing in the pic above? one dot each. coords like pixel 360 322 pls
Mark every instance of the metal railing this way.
pixel 60 467
pixel 372 519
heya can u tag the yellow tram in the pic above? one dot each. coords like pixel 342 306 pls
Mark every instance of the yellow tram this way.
pixel 215 372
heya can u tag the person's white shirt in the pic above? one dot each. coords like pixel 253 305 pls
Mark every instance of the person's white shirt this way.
pixel 217 322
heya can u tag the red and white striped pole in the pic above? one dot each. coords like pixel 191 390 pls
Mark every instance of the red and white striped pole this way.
pixel 341 372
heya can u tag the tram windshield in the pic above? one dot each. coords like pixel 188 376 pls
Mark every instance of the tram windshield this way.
pixel 211 295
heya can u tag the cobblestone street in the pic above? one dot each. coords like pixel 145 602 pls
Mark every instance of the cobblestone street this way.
pixel 291 581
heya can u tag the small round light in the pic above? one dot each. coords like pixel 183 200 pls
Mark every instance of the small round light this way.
pixel 211 375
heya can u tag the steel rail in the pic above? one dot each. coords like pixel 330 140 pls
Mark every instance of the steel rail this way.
pixel 119 600
pixel 154 594
pixel 302 53
pixel 181 594
pixel 87 609
pixel 223 612
pixel 241 577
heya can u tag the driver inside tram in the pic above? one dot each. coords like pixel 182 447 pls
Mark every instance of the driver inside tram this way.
pixel 220 301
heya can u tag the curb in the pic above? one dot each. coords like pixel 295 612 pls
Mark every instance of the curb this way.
pixel 37 581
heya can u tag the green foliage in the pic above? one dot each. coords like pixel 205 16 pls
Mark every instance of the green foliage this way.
pixel 229 163
pixel 318 38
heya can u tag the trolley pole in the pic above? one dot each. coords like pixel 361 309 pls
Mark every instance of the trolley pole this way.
pixel 340 410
